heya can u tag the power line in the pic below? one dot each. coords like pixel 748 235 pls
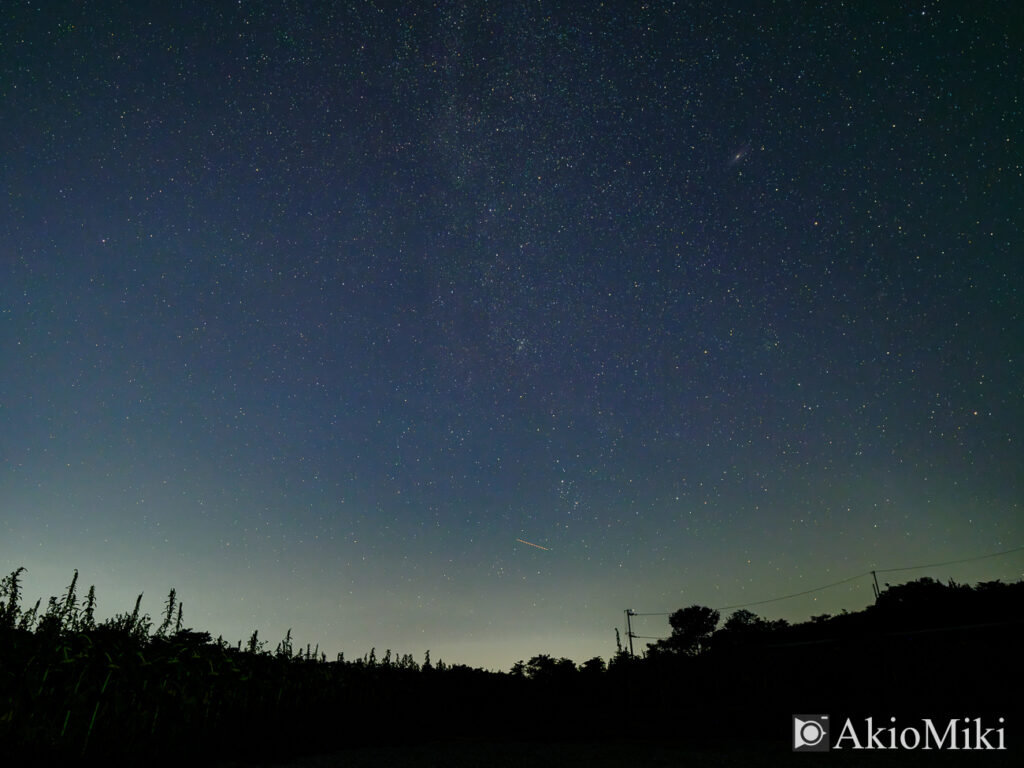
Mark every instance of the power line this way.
pixel 851 578
pixel 795 594
pixel 951 562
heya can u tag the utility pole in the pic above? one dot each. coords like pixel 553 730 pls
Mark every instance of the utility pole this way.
pixel 875 585
pixel 629 630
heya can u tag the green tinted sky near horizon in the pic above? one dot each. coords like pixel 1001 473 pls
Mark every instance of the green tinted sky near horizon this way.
pixel 312 312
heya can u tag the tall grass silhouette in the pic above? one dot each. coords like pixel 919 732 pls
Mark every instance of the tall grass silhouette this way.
pixel 75 689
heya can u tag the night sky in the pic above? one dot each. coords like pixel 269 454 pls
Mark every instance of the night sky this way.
pixel 314 311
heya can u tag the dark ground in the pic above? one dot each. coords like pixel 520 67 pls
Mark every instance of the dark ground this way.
pixel 620 754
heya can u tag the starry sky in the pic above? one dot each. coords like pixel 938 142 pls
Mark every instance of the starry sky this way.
pixel 318 311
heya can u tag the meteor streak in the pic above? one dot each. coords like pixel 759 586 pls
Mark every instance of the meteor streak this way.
pixel 538 546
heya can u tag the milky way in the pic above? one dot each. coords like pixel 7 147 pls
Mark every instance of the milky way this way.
pixel 321 315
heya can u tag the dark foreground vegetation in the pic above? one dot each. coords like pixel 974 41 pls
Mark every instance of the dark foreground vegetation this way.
pixel 127 691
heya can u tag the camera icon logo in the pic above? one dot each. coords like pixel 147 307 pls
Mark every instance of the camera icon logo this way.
pixel 810 733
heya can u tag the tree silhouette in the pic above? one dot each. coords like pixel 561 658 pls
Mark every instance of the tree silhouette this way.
pixel 745 628
pixel 544 667
pixel 692 629
pixel 742 628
